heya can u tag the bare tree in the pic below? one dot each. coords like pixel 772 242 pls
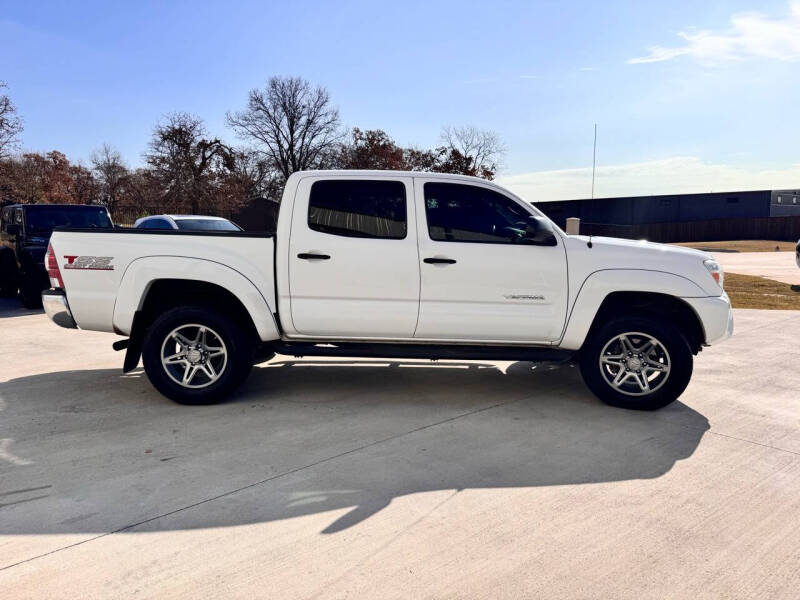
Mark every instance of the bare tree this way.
pixel 111 174
pixel 481 150
pixel 10 124
pixel 371 149
pixel 292 123
pixel 142 192
pixel 186 162
pixel 83 187
pixel 256 175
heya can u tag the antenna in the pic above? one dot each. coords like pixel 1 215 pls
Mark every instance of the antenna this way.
pixel 594 164
pixel 594 157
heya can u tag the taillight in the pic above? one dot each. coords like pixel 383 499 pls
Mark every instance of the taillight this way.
pixel 53 272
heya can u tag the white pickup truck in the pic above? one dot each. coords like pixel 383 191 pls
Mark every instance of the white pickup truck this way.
pixel 393 265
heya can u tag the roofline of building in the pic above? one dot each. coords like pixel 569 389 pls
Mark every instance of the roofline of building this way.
pixel 770 191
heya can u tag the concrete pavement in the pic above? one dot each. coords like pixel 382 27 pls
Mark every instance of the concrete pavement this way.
pixel 397 479
pixel 780 266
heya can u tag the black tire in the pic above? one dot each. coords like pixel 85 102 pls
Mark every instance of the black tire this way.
pixel 9 279
pixel 7 290
pixel 237 343
pixel 30 292
pixel 598 378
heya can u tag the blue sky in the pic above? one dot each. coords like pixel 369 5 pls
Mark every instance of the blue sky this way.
pixel 688 96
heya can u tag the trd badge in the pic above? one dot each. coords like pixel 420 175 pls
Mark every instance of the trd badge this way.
pixel 89 263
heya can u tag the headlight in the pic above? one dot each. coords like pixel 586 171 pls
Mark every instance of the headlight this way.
pixel 715 270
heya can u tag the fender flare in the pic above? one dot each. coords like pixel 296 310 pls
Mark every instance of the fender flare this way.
pixel 597 286
pixel 141 273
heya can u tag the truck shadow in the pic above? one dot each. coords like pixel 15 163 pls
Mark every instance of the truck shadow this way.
pixel 94 451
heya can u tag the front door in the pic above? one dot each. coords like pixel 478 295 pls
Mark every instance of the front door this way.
pixel 481 279
pixel 353 261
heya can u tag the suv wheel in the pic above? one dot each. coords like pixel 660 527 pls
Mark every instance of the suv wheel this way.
pixel 636 362
pixel 8 275
pixel 30 291
pixel 195 356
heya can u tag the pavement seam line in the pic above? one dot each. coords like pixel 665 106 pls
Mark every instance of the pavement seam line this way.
pixel 273 478
pixel 738 439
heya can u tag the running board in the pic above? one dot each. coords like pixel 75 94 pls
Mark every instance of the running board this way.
pixel 431 351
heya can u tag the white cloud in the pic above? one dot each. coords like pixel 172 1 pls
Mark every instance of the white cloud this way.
pixel 751 35
pixel 678 175
pixel 529 77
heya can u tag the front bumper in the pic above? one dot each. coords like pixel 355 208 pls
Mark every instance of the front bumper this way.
pixel 57 309
pixel 716 315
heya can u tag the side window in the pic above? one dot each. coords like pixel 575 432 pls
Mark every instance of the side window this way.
pixel 18 216
pixel 156 224
pixel 468 213
pixel 358 208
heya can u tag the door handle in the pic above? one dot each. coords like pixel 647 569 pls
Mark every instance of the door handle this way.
pixel 312 256
pixel 439 261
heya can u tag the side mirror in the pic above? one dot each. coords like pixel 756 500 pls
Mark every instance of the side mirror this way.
pixel 12 229
pixel 539 232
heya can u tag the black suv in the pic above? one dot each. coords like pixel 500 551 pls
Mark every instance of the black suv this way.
pixel 25 231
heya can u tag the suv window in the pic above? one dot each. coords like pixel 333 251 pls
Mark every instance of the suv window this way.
pixel 468 213
pixel 359 208
pixel 42 219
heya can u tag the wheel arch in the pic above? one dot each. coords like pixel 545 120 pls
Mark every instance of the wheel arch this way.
pixel 164 294
pixel 634 292
pixel 153 284
pixel 656 305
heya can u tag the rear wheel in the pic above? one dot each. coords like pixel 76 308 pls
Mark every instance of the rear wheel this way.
pixel 195 356
pixel 636 362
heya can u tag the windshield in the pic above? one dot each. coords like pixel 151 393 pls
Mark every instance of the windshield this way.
pixel 42 219
pixel 207 225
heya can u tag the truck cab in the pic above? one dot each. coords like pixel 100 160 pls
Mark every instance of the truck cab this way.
pixel 393 264
pixel 418 258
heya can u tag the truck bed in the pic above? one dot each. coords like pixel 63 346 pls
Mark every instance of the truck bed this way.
pixel 98 266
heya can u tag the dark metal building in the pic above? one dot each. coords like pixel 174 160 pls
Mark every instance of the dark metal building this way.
pixel 675 208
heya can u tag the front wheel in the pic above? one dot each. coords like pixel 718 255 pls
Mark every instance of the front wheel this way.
pixel 8 275
pixel 195 356
pixel 636 362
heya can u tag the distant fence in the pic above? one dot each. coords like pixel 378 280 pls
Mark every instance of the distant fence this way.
pixel 127 216
pixel 714 230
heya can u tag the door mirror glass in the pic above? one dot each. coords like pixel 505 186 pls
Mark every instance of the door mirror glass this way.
pixel 539 232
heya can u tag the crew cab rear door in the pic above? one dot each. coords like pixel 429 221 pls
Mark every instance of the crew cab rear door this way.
pixel 353 260
pixel 481 279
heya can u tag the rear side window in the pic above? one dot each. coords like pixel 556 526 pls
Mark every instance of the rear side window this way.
pixel 206 225
pixel 359 208
pixel 468 213
pixel 155 224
